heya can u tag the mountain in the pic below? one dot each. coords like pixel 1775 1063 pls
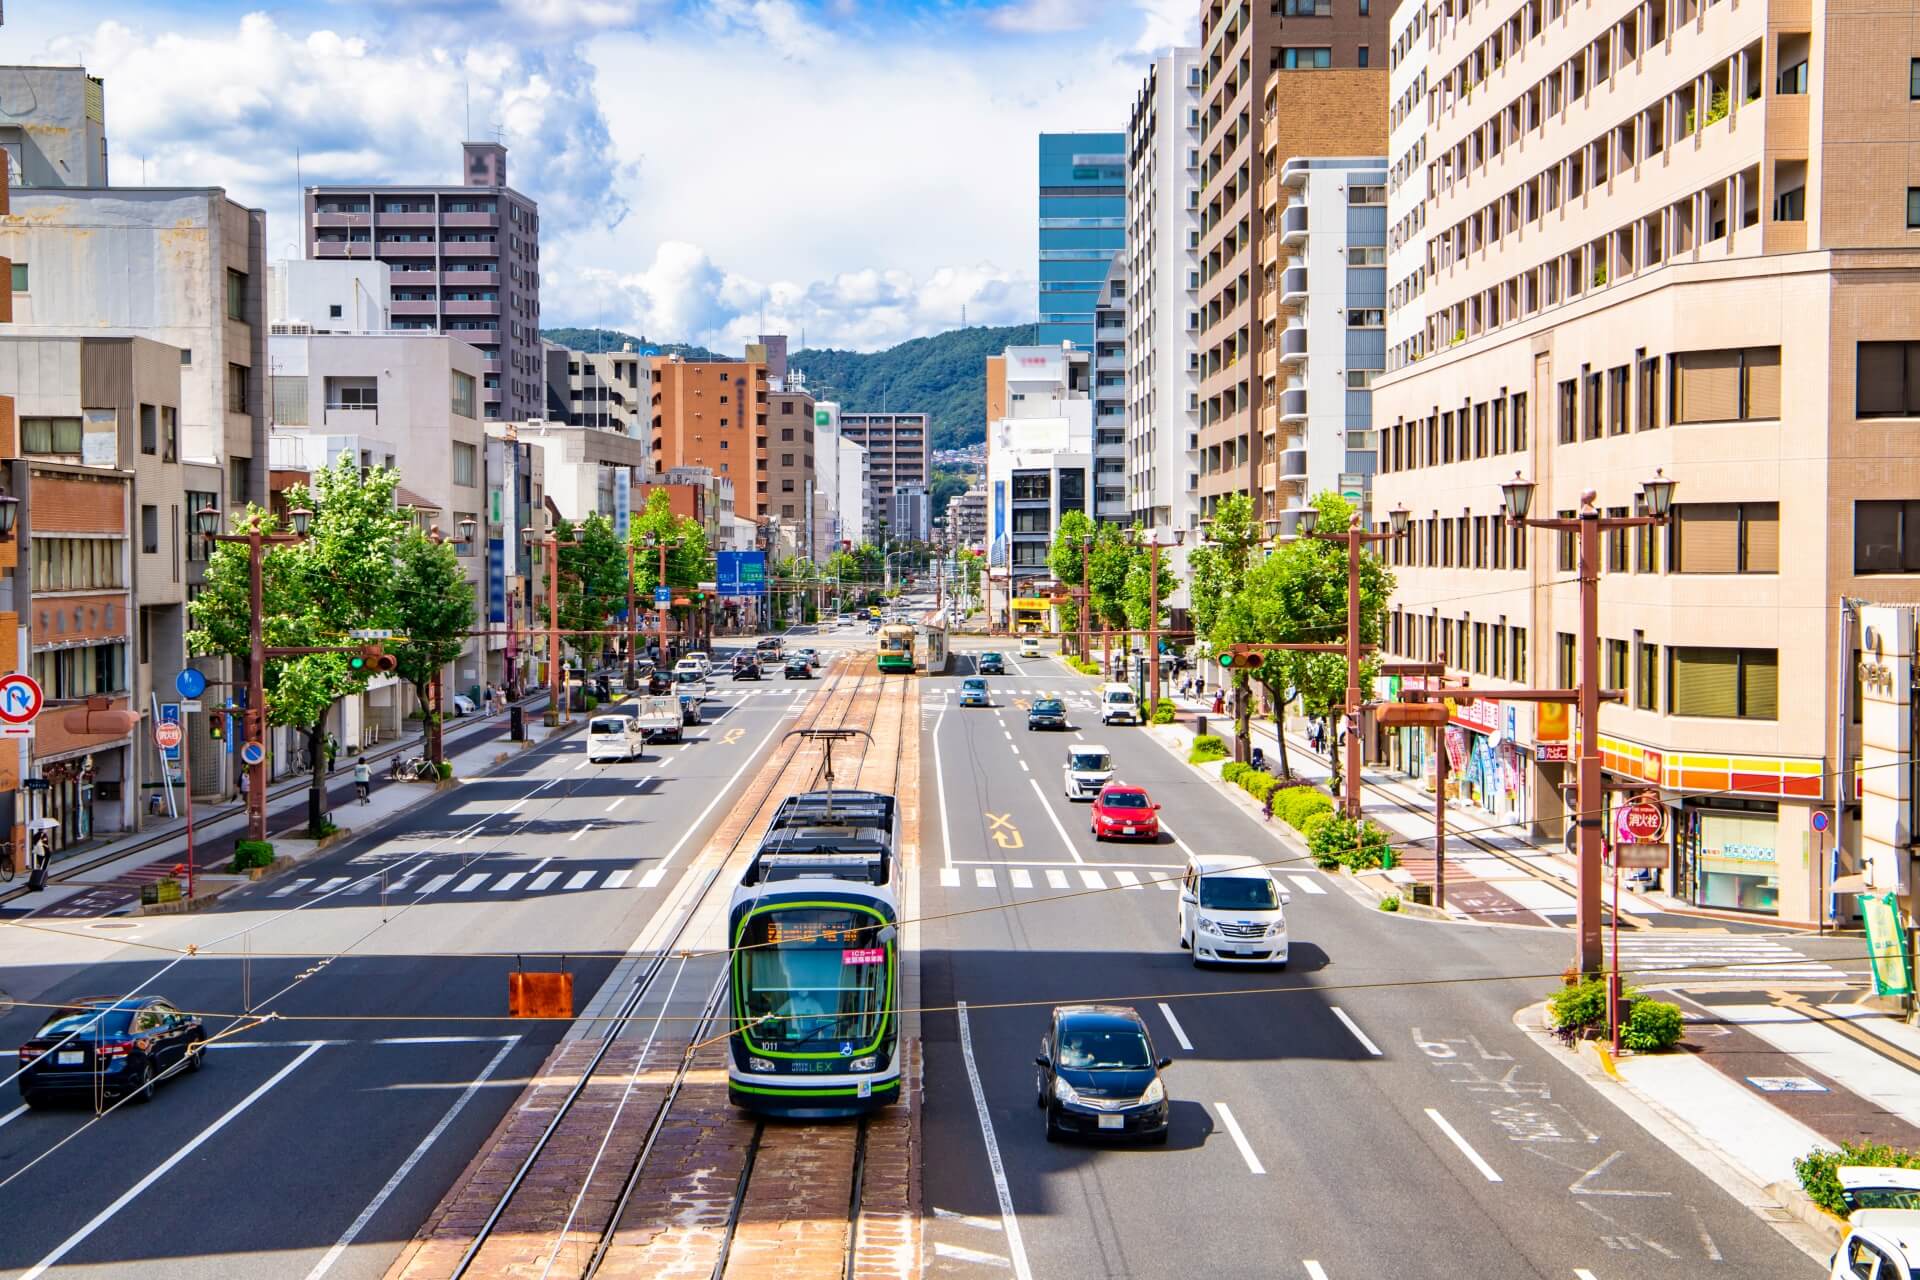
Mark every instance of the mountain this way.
pixel 945 375
pixel 594 341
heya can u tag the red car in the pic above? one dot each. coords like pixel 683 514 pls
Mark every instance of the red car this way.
pixel 1124 812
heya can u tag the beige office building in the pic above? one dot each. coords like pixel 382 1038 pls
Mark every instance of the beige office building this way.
pixel 1674 236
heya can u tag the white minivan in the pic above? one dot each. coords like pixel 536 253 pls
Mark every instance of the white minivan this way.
pixel 1118 705
pixel 1231 912
pixel 615 737
pixel 1029 646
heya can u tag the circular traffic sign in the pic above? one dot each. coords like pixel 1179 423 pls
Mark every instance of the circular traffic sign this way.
pixel 190 683
pixel 252 753
pixel 1820 819
pixel 166 735
pixel 1642 822
pixel 20 698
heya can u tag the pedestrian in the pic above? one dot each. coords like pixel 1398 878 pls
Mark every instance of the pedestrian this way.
pixel 500 701
pixel 333 751
pixel 246 781
pixel 1219 704
pixel 362 780
pixel 39 856
pixel 1266 805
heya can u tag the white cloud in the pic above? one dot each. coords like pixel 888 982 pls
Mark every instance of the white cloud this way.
pixel 575 15
pixel 1048 15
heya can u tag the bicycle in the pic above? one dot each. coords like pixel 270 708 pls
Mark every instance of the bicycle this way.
pixel 6 861
pixel 413 769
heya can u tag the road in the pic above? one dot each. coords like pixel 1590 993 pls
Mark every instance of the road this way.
pixel 1371 1111
pixel 314 1143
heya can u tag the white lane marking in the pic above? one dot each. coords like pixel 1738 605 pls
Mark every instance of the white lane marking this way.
pixel 1056 879
pixel 617 878
pixel 583 764
pixel 1127 879
pixel 966 1219
pixel 940 786
pixel 1179 1032
pixel 582 831
pixel 983 877
pixel 1358 1034
pixel 1023 767
pixel 295 887
pixel 381 1197
pixel 1054 818
pixel 1453 1134
pixel 1185 847
pixel 336 882
pixel 1092 879
pixel 535 868
pixel 14 1114
pixel 1007 734
pixel 1013 749
pixel 1016 1247
pixel 949 877
pixel 436 884
pixel 467 835
pixel 1581 1273
pixel 1022 878
pixel 472 882
pixel 542 881
pixel 1314 1270
pixel 166 1166
pixel 1239 1138
pixel 975 1256
pixel 507 882
pixel 615 803
pixel 653 877
pixel 579 879
pixel 512 808
pixel 1307 884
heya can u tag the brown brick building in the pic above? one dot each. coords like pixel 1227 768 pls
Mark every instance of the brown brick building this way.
pixel 790 470
pixel 713 414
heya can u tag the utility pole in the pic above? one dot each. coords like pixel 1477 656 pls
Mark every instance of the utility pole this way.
pixel 556 684
pixel 1154 547
pixel 1086 596
pixel 436 724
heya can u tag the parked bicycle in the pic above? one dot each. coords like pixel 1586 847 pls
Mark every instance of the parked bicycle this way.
pixel 6 861
pixel 413 769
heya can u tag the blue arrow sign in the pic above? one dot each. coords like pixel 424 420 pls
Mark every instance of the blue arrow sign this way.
pixel 190 683
pixel 662 597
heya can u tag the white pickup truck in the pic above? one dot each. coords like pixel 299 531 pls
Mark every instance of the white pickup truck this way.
pixel 657 717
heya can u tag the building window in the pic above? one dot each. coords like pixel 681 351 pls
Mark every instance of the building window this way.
pixel 169 433
pixel 1913 78
pixel 466 464
pixel 149 530
pixel 463 398
pixel 1724 537
pixel 149 429
pixel 1740 684
pixel 1734 385
pixel 76 673
pixel 76 564
pixel 236 295
pixel 1649 393
pixel 1301 59
pixel 1887 383
pixel 1569 672
pixel 289 400
pixel 1886 537
pixel 236 388
pixel 56 437
pixel 1364 52
pixel 1913 207
pixel 1617 665
pixel 1569 411
pixel 1366 195
pixel 1647 676
pixel 19 277
pixel 199 544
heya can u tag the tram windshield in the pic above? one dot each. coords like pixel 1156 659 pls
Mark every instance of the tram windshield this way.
pixel 815 980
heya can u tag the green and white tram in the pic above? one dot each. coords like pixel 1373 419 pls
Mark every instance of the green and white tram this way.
pixel 815 961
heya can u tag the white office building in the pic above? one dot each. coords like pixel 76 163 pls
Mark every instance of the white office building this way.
pixel 1407 185
pixel 1040 460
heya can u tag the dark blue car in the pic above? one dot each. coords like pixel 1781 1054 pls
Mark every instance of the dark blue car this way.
pixel 1096 1075
pixel 109 1048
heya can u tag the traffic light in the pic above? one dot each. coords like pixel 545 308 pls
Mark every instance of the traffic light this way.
pixel 372 659
pixel 1236 655
pixel 217 726
pixel 1227 658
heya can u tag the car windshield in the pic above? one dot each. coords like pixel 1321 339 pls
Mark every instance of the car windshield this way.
pixel 1086 1049
pixel 1049 706
pixel 687 677
pixel 989 657
pixel 976 686
pixel 1238 893
pixel 87 1024
pixel 1089 762
pixel 1125 800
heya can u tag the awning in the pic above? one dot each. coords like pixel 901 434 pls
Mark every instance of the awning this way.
pixel 403 497
pixel 1855 882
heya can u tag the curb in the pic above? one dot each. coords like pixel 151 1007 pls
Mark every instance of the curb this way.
pixel 1785 1208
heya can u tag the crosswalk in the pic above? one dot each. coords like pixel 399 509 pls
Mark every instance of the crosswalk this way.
pixel 1062 879
pixel 1720 957
pixel 465 883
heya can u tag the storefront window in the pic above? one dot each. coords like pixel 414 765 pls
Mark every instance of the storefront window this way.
pixel 1735 859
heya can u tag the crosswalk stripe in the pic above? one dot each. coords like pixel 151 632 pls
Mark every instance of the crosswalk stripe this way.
pixel 653 877
pixel 1127 879
pixel 949 877
pixel 617 878
pixel 1167 882
pixel 506 882
pixel 983 877
pixel 330 885
pixel 542 881
pixel 436 884
pixel 1307 884
pixel 1056 879
pixel 1022 878
pixel 579 879
pixel 472 882
pixel 1092 879
pixel 295 887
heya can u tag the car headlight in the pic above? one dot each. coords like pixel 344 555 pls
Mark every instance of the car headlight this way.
pixel 759 1064
pixel 1156 1092
pixel 1277 928
pixel 1208 926
pixel 1064 1091
pixel 867 1063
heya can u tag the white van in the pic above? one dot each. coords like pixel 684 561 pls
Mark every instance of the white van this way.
pixel 1231 912
pixel 1118 705
pixel 1089 768
pixel 1029 646
pixel 615 737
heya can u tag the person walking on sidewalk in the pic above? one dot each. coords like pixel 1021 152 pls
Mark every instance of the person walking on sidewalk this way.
pixel 362 780
pixel 1219 704
pixel 39 857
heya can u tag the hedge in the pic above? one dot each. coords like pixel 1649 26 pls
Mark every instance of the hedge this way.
pixel 1653 1026
pixel 1819 1169
pixel 1340 841
pixel 248 854
pixel 1295 805
pixel 1162 712
pixel 1208 746
pixel 1649 1026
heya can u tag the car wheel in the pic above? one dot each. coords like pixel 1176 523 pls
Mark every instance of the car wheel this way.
pixel 197 1055
pixel 32 1099
pixel 1039 1089
pixel 143 1092
pixel 1053 1131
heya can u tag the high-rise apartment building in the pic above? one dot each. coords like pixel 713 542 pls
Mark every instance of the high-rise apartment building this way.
pixel 1407 235
pixel 1109 393
pixel 1083 223
pixel 465 262
pixel 1275 85
pixel 1671 238
pixel 713 414
pixel 898 453
pixel 791 473
pixel 604 390
pixel 1163 282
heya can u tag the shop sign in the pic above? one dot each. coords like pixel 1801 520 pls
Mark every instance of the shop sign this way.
pixel 1886 944
pixel 1456 749
pixel 1481 715
pixel 1640 822
pixel 1551 752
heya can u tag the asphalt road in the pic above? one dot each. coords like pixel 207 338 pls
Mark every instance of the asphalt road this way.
pixel 1372 1111
pixel 314 1143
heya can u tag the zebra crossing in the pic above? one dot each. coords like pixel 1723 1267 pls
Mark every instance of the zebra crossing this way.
pixel 467 884
pixel 1063 879
pixel 1647 959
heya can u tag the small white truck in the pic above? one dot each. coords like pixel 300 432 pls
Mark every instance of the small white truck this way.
pixel 657 718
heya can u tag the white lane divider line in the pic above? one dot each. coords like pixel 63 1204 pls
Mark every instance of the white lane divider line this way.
pixel 1239 1138
pixel 1015 750
pixel 1179 1032
pixel 582 831
pixel 583 764
pixel 542 881
pixel 15 1114
pixel 1054 818
pixel 1016 1246
pixel 506 882
pixel 1056 879
pixel 1022 878
pixel 579 880
pixel 615 803
pixel 1023 767
pixel 1581 1273
pixel 295 887
pixel 983 877
pixel 1358 1034
pixel 977 1257
pixel 1453 1135
pixel 653 877
pixel 1314 1270
pixel 472 882
pixel 949 877
pixel 617 878
pixel 966 1219
pixel 1307 884
pixel 165 1167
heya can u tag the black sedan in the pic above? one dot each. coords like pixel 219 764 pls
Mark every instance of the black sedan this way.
pixel 992 664
pixel 1047 713
pixel 109 1048
pixel 798 668
pixel 1096 1075
pixel 745 668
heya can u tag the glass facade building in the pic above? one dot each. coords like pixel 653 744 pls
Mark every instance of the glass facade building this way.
pixel 1083 223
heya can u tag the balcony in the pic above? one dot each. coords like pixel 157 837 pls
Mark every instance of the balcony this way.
pixel 343 249
pixel 1293 286
pixel 406 219
pixel 474 308
pixel 1293 224
pixel 1293 405
pixel 354 419
pixel 406 249
pixel 322 218
pixel 488 220
pixel 415 307
pixel 1269 363
pixel 470 249
pixel 1293 344
pixel 1293 460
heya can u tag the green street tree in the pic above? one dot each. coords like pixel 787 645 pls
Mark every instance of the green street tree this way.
pixel 593 583
pixel 687 556
pixel 434 607
pixel 1217 573
pixel 1064 561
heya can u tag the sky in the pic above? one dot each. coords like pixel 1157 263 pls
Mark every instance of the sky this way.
pixel 857 171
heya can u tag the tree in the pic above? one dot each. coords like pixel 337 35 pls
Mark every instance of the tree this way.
pixel 434 604
pixel 686 554
pixel 593 582
pixel 1071 567
pixel 1217 572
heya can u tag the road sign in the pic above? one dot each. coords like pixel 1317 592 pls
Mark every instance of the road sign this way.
pixel 1820 820
pixel 1640 822
pixel 191 705
pixel 376 634
pixel 166 735
pixel 662 597
pixel 20 698
pixel 190 683
pixel 252 753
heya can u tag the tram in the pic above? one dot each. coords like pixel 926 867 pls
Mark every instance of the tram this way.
pixel 815 961
pixel 896 648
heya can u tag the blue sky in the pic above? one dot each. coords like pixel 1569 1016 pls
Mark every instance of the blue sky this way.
pixel 857 169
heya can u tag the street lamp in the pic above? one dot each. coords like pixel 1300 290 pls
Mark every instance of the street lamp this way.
pixel 9 512
pixel 661 544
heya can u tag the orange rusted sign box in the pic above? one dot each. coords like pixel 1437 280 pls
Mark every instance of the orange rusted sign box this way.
pixel 540 995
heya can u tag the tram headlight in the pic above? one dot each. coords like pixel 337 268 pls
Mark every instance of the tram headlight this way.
pixel 868 1063
pixel 759 1064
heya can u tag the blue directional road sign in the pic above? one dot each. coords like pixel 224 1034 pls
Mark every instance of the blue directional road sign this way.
pixel 190 683
pixel 662 597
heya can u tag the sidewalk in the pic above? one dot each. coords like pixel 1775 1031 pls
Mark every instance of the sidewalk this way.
pixel 108 882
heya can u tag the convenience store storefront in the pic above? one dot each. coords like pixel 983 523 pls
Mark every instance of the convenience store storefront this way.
pixel 1489 765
